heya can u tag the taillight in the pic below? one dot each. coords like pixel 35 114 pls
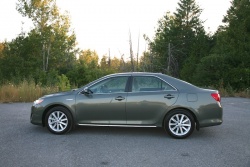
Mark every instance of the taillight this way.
pixel 216 96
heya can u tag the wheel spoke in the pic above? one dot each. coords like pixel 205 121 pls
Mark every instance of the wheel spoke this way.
pixel 175 128
pixel 58 114
pixel 185 129
pixel 177 117
pixel 52 119
pixel 61 116
pixel 52 122
pixel 182 117
pixel 185 120
pixel 181 130
pixel 174 120
pixel 62 123
pixel 61 127
pixel 65 119
pixel 54 115
pixel 53 125
pixel 184 125
pixel 172 124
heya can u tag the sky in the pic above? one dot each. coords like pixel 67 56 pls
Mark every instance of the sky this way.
pixel 104 25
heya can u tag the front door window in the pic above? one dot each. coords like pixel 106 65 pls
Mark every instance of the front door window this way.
pixel 111 85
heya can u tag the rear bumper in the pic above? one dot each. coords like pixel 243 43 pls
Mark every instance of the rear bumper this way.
pixel 210 115
pixel 208 123
pixel 212 118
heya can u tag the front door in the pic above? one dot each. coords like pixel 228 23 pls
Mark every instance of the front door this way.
pixel 106 103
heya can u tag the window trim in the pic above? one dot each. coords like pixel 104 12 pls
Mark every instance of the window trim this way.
pixel 133 76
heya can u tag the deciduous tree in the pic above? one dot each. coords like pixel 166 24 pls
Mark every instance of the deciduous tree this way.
pixel 57 42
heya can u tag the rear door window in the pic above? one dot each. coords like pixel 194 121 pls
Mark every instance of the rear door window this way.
pixel 149 83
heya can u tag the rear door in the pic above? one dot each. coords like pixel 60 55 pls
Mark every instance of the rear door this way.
pixel 148 100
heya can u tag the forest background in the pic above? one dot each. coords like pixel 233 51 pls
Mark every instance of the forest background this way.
pixel 47 59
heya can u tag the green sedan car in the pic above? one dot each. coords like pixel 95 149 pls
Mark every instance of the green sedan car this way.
pixel 131 100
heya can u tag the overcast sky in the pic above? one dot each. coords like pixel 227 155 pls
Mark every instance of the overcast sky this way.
pixel 104 24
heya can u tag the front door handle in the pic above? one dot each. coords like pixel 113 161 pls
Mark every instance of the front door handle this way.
pixel 169 96
pixel 119 98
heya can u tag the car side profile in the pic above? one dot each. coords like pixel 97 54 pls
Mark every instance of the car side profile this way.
pixel 131 99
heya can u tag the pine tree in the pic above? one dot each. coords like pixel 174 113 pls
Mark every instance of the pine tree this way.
pixel 177 38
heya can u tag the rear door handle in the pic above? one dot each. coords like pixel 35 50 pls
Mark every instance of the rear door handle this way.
pixel 119 98
pixel 169 96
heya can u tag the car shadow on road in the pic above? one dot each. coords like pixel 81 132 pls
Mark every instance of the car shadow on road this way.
pixel 126 131
pixel 129 132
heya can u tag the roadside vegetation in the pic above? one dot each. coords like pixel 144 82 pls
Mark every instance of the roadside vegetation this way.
pixel 23 92
pixel 47 59
pixel 28 91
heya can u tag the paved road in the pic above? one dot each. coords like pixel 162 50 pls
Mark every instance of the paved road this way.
pixel 24 144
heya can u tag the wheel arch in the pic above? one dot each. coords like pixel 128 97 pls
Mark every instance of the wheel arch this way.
pixel 52 106
pixel 197 124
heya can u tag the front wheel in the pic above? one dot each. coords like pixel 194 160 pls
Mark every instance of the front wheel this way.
pixel 179 124
pixel 59 120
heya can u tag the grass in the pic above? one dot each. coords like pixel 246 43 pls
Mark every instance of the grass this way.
pixel 23 92
pixel 229 92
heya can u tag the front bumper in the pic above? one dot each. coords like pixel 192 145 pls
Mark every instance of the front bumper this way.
pixel 36 115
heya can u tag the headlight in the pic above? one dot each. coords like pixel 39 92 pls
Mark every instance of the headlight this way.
pixel 38 101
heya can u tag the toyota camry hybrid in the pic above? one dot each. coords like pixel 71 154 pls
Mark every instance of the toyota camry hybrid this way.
pixel 131 100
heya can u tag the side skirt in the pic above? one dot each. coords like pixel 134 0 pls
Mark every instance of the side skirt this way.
pixel 112 125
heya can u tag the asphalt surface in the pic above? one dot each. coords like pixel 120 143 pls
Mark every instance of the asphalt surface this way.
pixel 24 144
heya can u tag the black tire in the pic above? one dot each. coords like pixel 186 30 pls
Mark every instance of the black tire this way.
pixel 179 124
pixel 59 120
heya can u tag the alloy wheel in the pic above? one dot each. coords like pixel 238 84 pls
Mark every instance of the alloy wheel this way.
pixel 179 124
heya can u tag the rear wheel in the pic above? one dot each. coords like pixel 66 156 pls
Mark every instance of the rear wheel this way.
pixel 179 124
pixel 59 120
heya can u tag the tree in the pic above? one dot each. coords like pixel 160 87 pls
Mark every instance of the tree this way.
pixel 190 37
pixel 178 39
pixel 19 60
pixel 57 43
pixel 238 32
pixel 233 44
pixel 115 64
pixel 131 53
pixel 158 47
pixel 2 47
pixel 146 62
pixel 89 58
pixel 86 69
pixel 104 63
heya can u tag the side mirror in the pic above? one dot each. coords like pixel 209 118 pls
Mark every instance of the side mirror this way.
pixel 87 91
